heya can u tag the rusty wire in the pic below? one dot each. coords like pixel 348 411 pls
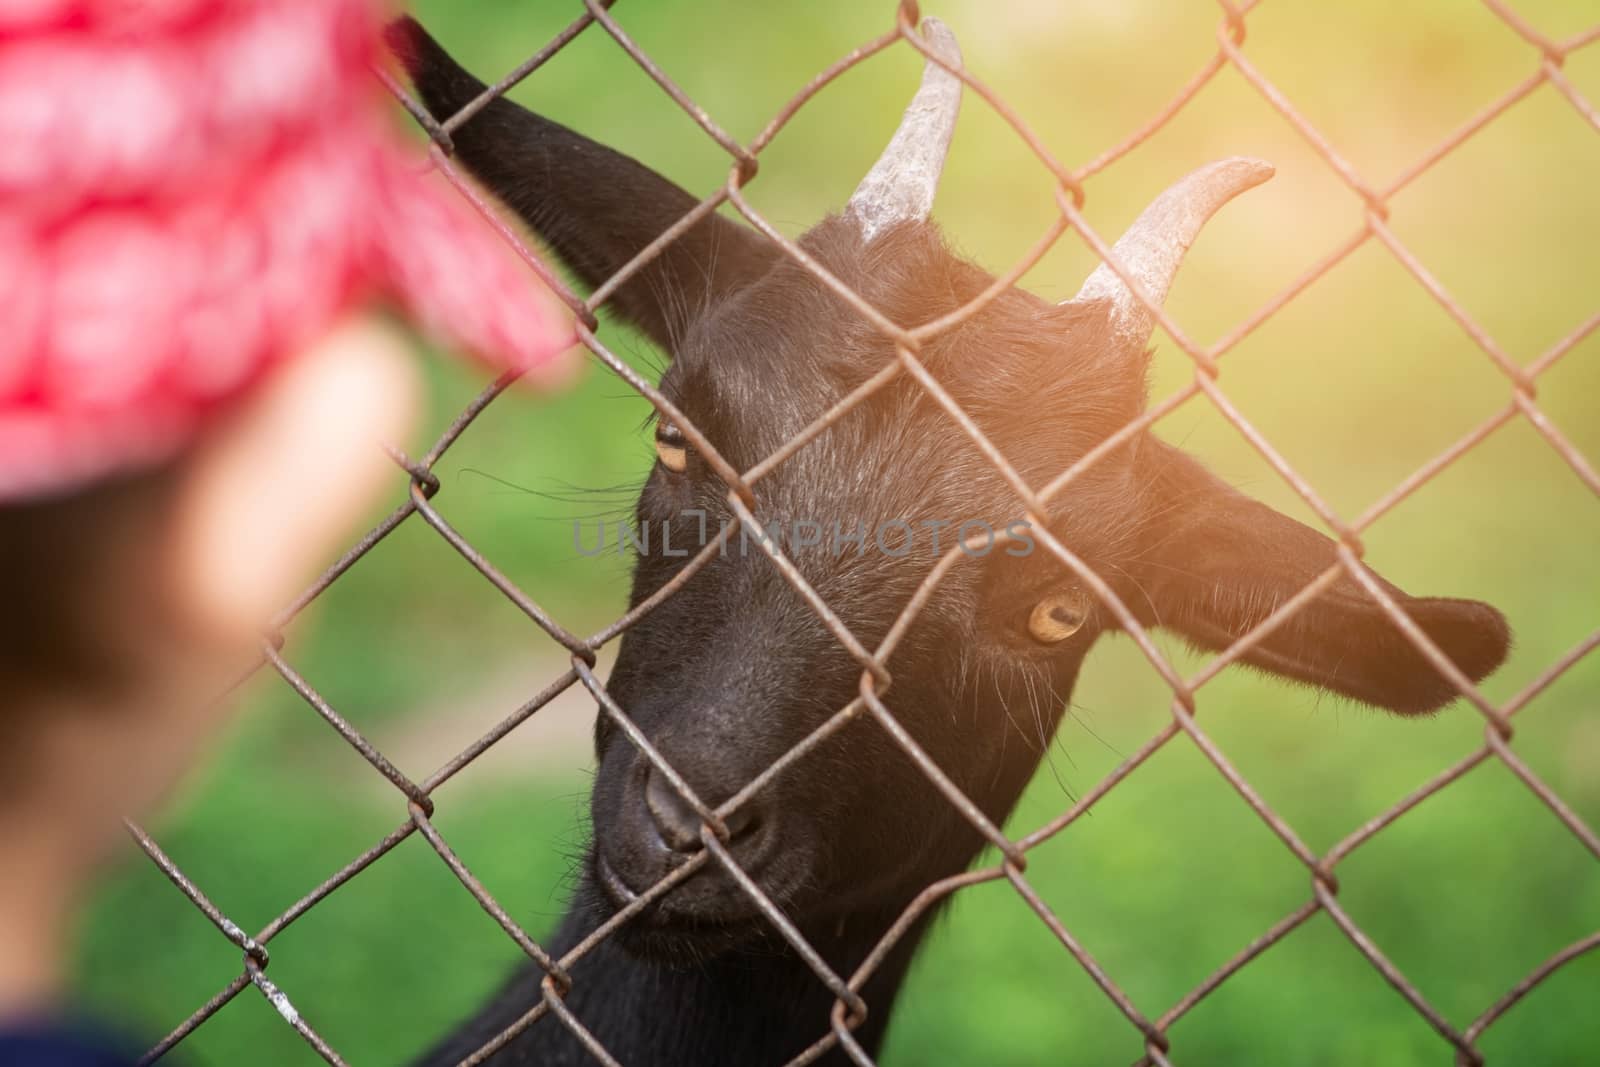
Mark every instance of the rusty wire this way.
pixel 849 1009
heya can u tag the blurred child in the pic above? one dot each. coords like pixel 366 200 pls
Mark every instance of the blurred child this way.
pixel 197 198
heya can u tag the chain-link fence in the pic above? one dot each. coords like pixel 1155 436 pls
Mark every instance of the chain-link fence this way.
pixel 744 498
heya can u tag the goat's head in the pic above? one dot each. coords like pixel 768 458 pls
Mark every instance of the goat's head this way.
pixel 735 668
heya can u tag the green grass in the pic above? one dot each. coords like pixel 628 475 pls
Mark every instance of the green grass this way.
pixel 1357 383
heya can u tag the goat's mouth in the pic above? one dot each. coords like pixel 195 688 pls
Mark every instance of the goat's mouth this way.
pixel 704 913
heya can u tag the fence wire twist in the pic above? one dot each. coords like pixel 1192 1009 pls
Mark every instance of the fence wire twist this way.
pixel 849 1009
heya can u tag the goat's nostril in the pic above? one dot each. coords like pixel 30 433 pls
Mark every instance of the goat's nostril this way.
pixel 740 822
pixel 676 821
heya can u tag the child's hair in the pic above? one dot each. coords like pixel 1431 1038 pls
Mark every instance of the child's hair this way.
pixel 78 567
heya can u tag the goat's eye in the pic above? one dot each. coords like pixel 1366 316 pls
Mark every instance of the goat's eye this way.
pixel 1057 617
pixel 672 448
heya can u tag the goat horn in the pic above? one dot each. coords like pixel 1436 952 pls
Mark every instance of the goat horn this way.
pixel 900 186
pixel 1152 249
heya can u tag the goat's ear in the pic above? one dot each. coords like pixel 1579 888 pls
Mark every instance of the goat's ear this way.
pixel 595 207
pixel 1214 564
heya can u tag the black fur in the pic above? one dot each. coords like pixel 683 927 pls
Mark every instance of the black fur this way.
pixel 734 669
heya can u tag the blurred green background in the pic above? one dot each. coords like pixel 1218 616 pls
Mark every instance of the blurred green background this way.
pixel 1358 382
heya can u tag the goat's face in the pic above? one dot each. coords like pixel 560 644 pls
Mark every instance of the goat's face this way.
pixel 734 669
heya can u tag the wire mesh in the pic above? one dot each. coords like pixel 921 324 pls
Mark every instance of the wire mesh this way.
pixel 744 500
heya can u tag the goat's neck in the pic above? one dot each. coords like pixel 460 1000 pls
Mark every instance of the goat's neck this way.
pixel 762 1006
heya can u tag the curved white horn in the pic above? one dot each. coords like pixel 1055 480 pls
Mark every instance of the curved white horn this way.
pixel 1153 248
pixel 901 185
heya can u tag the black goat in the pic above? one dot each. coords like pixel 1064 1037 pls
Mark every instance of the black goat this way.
pixel 734 668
